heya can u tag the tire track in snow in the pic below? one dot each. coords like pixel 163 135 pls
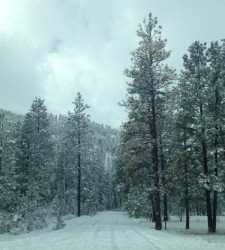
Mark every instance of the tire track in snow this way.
pixel 112 236
pixel 75 230
pixel 105 231
pixel 113 240
pixel 134 230
pixel 140 233
pixel 131 239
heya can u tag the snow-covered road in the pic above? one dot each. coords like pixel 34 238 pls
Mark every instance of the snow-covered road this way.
pixel 105 231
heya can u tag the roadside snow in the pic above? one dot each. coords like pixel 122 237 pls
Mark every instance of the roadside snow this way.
pixel 110 231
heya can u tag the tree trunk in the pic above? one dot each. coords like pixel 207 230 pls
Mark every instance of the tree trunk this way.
pixel 206 172
pixel 155 163
pixel 215 198
pixel 187 205
pixel 215 193
pixel 153 217
pixel 181 215
pixel 162 159
pixel 165 204
pixel 78 178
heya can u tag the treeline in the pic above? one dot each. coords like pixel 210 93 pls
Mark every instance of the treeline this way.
pixel 53 165
pixel 172 147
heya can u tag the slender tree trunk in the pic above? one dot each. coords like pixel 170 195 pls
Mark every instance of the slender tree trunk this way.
pixel 162 159
pixel 206 172
pixel 215 199
pixel 215 193
pixel 187 206
pixel 153 209
pixel 165 204
pixel 78 178
pixel 181 215
pixel 155 163
pixel 207 192
pixel 186 182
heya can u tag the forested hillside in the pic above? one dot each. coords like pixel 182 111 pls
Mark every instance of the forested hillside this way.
pixel 53 164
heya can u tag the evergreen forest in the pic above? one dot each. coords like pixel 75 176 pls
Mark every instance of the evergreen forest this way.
pixel 167 158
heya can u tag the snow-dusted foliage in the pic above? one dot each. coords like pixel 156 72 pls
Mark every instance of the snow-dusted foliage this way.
pixel 38 168
pixel 138 204
pixel 144 140
pixel 169 158
pixel 173 145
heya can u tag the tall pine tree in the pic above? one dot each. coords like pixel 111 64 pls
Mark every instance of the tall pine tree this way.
pixel 78 128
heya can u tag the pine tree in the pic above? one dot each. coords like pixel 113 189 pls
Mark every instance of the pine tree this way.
pixel 34 161
pixel 195 75
pixel 150 80
pixel 216 117
pixel 78 124
pixel 204 77
pixel 8 188
pixel 184 156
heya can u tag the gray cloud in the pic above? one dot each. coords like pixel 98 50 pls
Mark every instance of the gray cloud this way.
pixel 53 49
pixel 19 79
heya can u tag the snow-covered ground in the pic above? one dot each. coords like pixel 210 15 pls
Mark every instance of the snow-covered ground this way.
pixel 115 230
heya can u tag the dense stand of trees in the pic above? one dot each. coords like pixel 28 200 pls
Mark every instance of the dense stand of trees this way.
pixel 172 147
pixel 58 165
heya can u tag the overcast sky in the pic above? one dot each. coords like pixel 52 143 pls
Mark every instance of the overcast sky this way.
pixel 53 49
